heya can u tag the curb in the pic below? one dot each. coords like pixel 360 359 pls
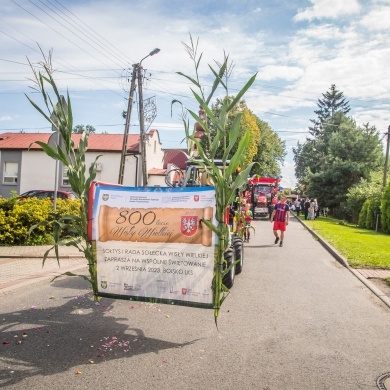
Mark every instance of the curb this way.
pixel 343 261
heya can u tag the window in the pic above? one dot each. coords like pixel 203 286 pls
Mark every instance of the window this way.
pixel 10 173
pixel 65 178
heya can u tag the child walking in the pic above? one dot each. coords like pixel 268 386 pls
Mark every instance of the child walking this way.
pixel 248 219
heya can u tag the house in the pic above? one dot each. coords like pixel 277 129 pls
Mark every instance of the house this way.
pixel 175 164
pixel 24 166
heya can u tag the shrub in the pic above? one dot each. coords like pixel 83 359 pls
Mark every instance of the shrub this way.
pixel 369 213
pixel 359 193
pixel 363 215
pixel 385 209
pixel 16 218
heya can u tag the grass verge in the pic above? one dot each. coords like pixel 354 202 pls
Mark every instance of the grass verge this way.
pixel 361 247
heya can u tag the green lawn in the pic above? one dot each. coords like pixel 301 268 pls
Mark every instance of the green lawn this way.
pixel 361 247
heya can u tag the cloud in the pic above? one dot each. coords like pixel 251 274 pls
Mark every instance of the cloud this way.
pixel 221 30
pixel 378 117
pixel 377 19
pixel 6 118
pixel 288 176
pixel 332 9
pixel 272 72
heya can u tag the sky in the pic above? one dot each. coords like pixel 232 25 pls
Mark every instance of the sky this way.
pixel 297 48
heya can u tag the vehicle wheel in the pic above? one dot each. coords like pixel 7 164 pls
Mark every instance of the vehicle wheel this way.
pixel 238 246
pixel 228 279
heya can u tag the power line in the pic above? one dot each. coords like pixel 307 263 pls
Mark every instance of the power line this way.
pixel 90 28
pixel 91 37
pixel 62 35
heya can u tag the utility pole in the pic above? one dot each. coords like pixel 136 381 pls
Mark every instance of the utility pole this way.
pixel 386 158
pixel 127 125
pixel 137 74
pixel 142 138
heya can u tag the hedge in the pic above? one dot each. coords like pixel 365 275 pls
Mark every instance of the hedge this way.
pixel 17 216
pixel 385 209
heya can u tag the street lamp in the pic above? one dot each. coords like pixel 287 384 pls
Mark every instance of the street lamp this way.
pixel 136 75
pixel 142 122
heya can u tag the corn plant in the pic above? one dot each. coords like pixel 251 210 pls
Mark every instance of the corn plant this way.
pixel 68 230
pixel 232 175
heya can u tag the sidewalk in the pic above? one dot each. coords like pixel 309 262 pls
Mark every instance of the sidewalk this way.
pixel 22 265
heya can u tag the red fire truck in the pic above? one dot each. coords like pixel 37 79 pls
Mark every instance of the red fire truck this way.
pixel 262 194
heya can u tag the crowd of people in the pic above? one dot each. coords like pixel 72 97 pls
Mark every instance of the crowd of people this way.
pixel 308 207
pixel 279 216
pixel 279 213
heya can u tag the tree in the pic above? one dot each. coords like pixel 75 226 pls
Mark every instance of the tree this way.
pixel 247 123
pixel 265 147
pixel 333 101
pixel 270 152
pixel 351 154
pixel 79 129
pixel 327 122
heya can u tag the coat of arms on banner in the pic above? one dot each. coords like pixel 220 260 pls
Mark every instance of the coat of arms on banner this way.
pixel 196 198
pixel 184 291
pixel 189 225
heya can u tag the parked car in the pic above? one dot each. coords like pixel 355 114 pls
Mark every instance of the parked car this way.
pixel 47 194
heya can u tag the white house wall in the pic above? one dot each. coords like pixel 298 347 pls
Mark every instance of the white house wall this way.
pixel 156 181
pixel 154 153
pixel 108 167
pixel 37 171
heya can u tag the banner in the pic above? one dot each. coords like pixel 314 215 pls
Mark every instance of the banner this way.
pixel 151 244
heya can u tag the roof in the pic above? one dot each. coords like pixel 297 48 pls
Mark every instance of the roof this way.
pixel 96 142
pixel 264 180
pixel 178 157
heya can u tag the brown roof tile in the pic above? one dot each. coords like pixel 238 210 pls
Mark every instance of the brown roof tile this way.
pixel 96 142
pixel 176 156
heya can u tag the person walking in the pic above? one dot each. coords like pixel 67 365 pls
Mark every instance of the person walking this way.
pixel 306 207
pixel 298 206
pixel 280 217
pixel 312 210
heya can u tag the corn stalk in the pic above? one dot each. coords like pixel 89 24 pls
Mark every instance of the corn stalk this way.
pixel 68 230
pixel 226 179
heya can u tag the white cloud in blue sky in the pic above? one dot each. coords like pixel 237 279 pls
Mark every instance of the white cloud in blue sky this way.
pixel 332 9
pixel 299 48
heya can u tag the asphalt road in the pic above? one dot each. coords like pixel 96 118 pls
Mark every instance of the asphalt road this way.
pixel 295 319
